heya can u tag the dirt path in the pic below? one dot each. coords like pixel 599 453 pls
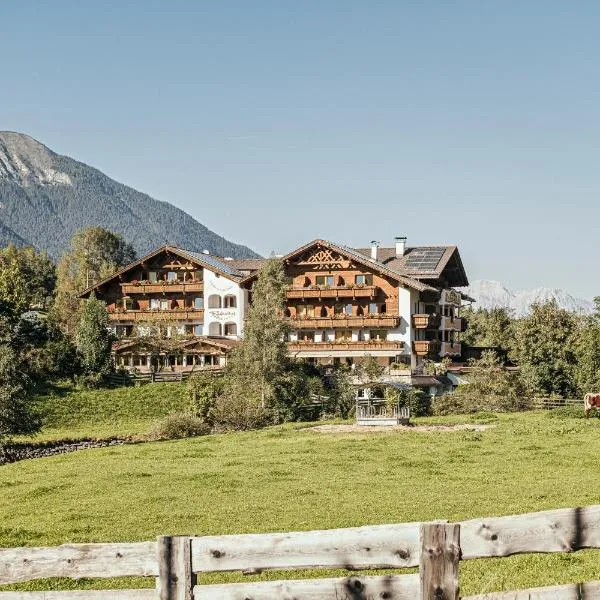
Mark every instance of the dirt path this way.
pixel 397 428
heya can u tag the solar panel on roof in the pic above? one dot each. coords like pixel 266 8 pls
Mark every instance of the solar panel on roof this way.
pixel 424 259
pixel 213 262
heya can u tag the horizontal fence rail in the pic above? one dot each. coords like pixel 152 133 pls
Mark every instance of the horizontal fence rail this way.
pixel 435 548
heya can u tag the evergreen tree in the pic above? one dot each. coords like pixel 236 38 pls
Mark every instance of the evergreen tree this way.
pixel 13 288
pixel 93 340
pixel 489 327
pixel 261 359
pixel 94 254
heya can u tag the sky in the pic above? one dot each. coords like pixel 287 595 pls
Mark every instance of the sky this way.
pixel 277 122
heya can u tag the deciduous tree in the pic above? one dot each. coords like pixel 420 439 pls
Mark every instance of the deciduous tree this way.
pixel 93 341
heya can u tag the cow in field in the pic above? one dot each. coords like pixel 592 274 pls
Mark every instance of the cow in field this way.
pixel 591 401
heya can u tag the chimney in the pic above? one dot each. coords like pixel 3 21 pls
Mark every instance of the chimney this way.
pixel 400 246
pixel 374 247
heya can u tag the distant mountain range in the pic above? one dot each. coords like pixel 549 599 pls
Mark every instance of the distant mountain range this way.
pixel 493 294
pixel 45 198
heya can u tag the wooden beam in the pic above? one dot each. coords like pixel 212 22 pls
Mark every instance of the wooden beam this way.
pixel 175 577
pixel 440 554
pixel 575 591
pixel 147 594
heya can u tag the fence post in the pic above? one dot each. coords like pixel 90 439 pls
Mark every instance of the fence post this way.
pixel 440 553
pixel 175 577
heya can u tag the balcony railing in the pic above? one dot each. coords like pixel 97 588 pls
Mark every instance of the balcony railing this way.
pixel 339 291
pixel 452 323
pixel 176 314
pixel 426 347
pixel 163 287
pixel 450 349
pixel 426 321
pixel 343 322
pixel 344 346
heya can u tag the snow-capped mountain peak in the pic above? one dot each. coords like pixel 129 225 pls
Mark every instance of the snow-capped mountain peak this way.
pixel 493 294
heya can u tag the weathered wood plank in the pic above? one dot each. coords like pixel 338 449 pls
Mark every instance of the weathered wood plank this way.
pixel 440 554
pixel 578 591
pixel 395 587
pixel 78 560
pixel 175 577
pixel 82 595
pixel 376 547
pixel 562 530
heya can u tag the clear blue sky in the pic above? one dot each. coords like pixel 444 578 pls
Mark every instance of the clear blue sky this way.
pixel 273 123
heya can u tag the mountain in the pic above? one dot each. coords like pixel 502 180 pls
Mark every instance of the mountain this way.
pixel 492 294
pixel 45 198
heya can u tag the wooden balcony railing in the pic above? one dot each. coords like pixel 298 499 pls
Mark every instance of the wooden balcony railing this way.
pixel 452 323
pixel 450 349
pixel 342 291
pixel 426 321
pixel 183 314
pixel 344 346
pixel 343 322
pixel 426 347
pixel 163 287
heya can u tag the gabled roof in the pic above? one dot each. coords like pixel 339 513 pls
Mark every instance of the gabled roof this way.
pixel 445 258
pixel 358 257
pixel 204 260
pixel 223 344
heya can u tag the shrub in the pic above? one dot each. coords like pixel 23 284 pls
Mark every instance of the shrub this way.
pixel 178 425
pixel 239 410
pixel 465 402
pixel 203 389
pixel 418 401
pixel 571 412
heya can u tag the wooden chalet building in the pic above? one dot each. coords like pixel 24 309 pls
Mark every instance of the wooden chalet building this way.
pixel 397 304
pixel 174 309
pixel 179 310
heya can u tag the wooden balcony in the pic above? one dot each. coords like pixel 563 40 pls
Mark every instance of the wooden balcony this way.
pixel 426 321
pixel 343 322
pixel 450 349
pixel 426 347
pixel 365 291
pixel 344 346
pixel 452 323
pixel 177 287
pixel 183 314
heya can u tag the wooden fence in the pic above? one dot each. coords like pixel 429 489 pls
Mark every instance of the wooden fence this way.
pixel 550 403
pixel 436 548
pixel 158 377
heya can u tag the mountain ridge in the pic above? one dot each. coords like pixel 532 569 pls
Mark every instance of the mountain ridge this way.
pixel 493 294
pixel 45 197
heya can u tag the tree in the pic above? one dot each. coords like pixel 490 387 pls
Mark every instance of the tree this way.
pixel 544 349
pixel 587 352
pixel 94 254
pixel 203 390
pixel 13 288
pixel 37 271
pixel 489 327
pixel 16 415
pixel 260 360
pixel 93 341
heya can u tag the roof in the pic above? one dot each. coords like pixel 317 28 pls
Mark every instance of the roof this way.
pixel 168 344
pixel 246 265
pixel 423 262
pixel 359 257
pixel 204 260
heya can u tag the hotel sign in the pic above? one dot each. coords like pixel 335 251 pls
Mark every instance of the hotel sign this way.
pixel 451 297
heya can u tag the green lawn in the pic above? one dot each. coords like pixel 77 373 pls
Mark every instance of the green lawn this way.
pixel 291 478
pixel 120 412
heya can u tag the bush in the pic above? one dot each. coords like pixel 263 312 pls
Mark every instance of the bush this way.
pixel 418 401
pixel 91 381
pixel 239 410
pixel 203 389
pixel 465 402
pixel 571 412
pixel 178 425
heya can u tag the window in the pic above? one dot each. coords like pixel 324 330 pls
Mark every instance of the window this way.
pixel 153 276
pixel 198 275
pixel 363 279
pixel 214 301
pixel 198 302
pixel 307 336
pixel 127 303
pixel 230 329
pixel 348 309
pixel 343 335
pixel 306 310
pixel 164 304
pixel 215 329
pixel 171 276
pixel 338 309
pixel 324 280
pixel 198 329
pixel 154 304
pixel 230 302
pixel 378 334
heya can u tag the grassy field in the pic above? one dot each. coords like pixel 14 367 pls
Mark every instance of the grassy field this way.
pixel 292 478
pixel 120 412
